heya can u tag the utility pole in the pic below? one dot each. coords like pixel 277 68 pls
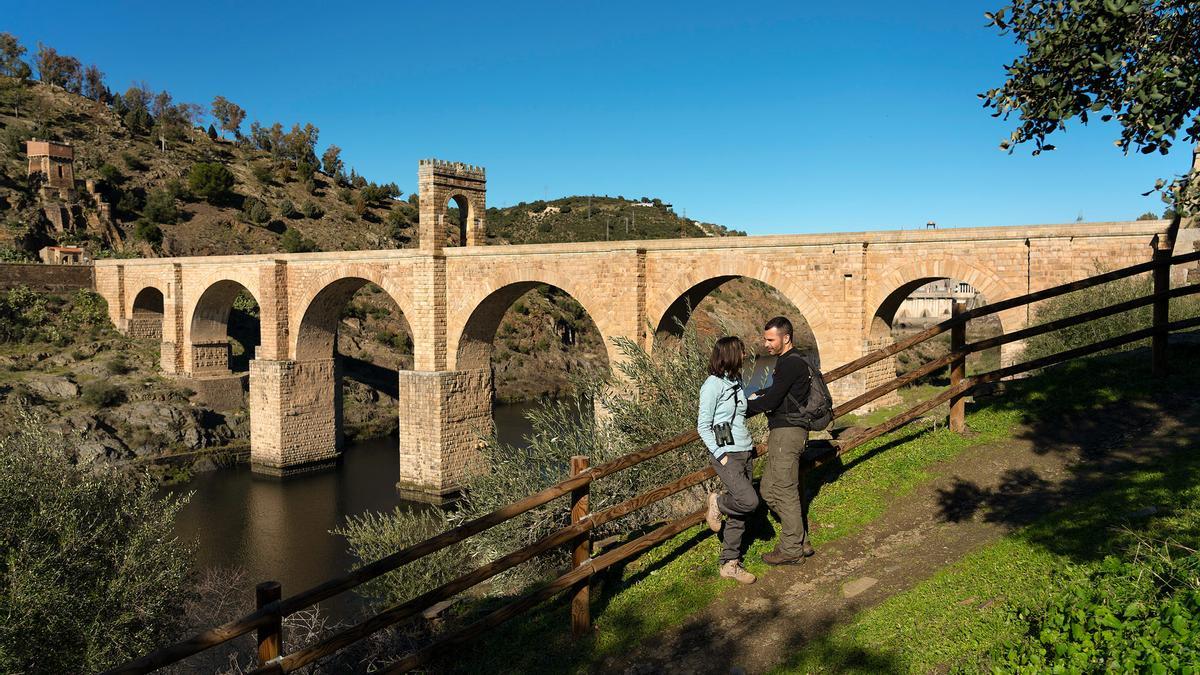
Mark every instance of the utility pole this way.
pixel 589 207
pixel 606 224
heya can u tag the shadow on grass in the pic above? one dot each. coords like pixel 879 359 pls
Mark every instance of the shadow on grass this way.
pixel 1104 409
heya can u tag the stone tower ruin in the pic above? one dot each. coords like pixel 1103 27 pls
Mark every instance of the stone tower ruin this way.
pixel 56 162
pixel 438 183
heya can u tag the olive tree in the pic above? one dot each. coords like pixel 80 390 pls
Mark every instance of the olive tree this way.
pixel 1135 62
pixel 91 570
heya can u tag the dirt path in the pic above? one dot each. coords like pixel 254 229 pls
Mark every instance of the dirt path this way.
pixel 972 500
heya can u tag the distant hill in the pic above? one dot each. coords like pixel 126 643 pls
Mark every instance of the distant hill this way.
pixel 135 169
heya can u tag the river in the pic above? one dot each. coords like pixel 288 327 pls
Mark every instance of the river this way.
pixel 280 529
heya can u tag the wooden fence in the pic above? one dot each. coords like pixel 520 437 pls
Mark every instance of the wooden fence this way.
pixel 267 619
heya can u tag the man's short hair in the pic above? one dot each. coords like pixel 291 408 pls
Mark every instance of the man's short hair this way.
pixel 780 324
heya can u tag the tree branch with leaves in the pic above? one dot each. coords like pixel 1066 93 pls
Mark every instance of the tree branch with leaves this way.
pixel 1135 62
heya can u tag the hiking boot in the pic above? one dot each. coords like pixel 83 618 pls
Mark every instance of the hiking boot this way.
pixel 777 558
pixel 734 570
pixel 713 516
pixel 807 550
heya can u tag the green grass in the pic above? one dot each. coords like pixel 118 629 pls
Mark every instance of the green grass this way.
pixel 966 612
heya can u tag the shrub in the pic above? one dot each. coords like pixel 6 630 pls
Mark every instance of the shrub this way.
pixel 311 210
pixel 133 162
pixel 256 211
pixel 1101 329
pixel 130 201
pixel 148 232
pixel 294 242
pixel 89 559
pixel 102 394
pixel 160 207
pixel 117 366
pixel 244 302
pixel 288 210
pixel 211 181
pixel 110 174
pixel 262 173
pixel 10 254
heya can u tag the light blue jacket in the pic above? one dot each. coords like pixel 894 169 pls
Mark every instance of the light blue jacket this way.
pixel 721 399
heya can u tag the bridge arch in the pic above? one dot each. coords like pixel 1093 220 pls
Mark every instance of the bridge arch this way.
pixel 146 313
pixel 317 305
pixel 474 342
pixel 669 308
pixel 208 329
pixel 894 285
pixel 316 332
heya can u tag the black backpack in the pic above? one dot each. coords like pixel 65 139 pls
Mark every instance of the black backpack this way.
pixel 817 412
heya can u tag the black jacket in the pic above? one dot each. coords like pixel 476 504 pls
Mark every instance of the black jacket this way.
pixel 792 374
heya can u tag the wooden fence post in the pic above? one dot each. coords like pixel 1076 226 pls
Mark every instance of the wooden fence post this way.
pixel 958 370
pixel 270 637
pixel 581 551
pixel 1161 315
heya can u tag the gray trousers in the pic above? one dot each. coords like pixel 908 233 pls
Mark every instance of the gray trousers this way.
pixel 738 502
pixel 782 490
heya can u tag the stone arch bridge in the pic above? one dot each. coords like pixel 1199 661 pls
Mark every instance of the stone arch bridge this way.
pixel 847 286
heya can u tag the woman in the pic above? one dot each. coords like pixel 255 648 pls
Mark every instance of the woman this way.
pixel 722 426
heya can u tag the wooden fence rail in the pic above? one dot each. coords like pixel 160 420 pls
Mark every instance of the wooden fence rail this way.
pixel 272 608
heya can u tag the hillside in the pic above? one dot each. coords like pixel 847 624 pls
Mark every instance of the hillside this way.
pixel 146 180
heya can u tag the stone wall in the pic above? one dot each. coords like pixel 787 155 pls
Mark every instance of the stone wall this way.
pixel 221 393
pixel 55 278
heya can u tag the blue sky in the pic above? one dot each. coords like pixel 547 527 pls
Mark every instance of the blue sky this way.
pixel 771 118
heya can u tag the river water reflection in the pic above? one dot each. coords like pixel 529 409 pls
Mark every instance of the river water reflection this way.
pixel 280 530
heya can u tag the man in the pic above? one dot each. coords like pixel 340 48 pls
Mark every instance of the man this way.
pixel 780 485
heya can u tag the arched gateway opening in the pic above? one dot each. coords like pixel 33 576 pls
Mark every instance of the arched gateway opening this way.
pixel 735 305
pixel 360 330
pixel 531 339
pixel 457 215
pixel 913 307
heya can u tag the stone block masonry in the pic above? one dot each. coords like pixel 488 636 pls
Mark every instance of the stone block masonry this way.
pixel 293 423
pixel 53 278
pixel 444 419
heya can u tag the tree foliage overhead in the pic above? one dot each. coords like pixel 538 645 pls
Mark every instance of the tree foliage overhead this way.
pixel 1133 61
pixel 1136 61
